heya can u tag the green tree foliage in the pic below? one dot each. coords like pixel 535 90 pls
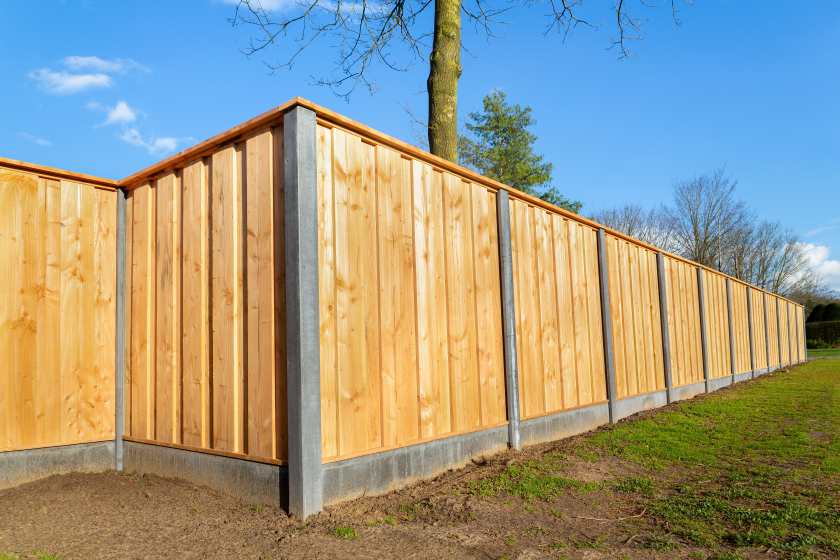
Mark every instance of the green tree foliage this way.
pixel 501 146
pixel 816 313
pixel 832 312
pixel 825 312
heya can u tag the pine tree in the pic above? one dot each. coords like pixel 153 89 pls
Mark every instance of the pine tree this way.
pixel 501 146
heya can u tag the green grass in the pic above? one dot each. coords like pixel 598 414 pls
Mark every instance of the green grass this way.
pixel 824 353
pixel 36 556
pixel 532 480
pixel 752 468
pixel 346 533
pixel 763 462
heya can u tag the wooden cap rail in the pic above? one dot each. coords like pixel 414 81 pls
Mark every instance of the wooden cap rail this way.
pixel 47 171
pixel 328 117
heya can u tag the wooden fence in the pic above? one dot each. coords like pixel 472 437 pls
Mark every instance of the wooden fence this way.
pixel 411 336
pixel 410 303
pixel 57 314
pixel 205 329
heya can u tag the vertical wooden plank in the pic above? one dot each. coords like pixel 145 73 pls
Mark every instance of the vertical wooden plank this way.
pixel 70 305
pixel 104 273
pixel 656 322
pixel 356 295
pixel 137 297
pixel 579 313
pixel 489 305
pixel 617 309
pixel 260 375
pixel 631 379
pixel 77 312
pixel 240 390
pixel 223 189
pixel 7 294
pixel 546 286
pixel 397 295
pixel 195 306
pixel 48 405
pixel 531 380
pixel 638 321
pixel 164 309
pixel 432 316
pixel 648 372
pixel 565 312
pixel 460 284
pixel 129 310
pixel 327 294
pixel 24 254
pixel 277 195
pixel 597 380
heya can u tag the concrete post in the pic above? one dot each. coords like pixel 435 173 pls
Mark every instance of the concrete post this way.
pixel 766 331
pixel 703 334
pixel 119 369
pixel 750 331
pixel 303 377
pixel 663 321
pixel 508 318
pixel 729 316
pixel 606 322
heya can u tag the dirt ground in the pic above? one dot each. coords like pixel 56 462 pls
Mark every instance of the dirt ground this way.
pixel 767 489
pixel 111 515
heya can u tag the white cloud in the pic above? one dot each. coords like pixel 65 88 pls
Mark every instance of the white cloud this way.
pixel 156 146
pixel 108 66
pixel 65 83
pixel 267 5
pixel 82 73
pixel 121 113
pixel 827 268
pixel 35 139
pixel 347 7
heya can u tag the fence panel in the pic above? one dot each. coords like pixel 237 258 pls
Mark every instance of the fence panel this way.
pixel 559 335
pixel 784 334
pixel 205 336
pixel 57 315
pixel 411 336
pixel 717 325
pixel 772 330
pixel 634 305
pixel 741 327
pixel 684 322
pixel 791 325
pixel 759 335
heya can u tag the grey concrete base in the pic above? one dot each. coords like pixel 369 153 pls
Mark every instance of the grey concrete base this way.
pixel 687 391
pixel 564 424
pixel 379 473
pixel 250 481
pixel 718 383
pixel 18 467
pixel 631 405
pixel 743 376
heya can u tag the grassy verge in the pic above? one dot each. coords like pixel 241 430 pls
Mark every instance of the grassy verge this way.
pixel 751 470
pixel 824 353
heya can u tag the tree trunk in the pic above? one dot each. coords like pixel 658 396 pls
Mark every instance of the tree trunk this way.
pixel 444 72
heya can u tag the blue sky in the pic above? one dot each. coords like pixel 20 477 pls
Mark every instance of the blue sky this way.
pixel 740 84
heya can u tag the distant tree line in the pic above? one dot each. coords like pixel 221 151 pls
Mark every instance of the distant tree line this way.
pixel 707 223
